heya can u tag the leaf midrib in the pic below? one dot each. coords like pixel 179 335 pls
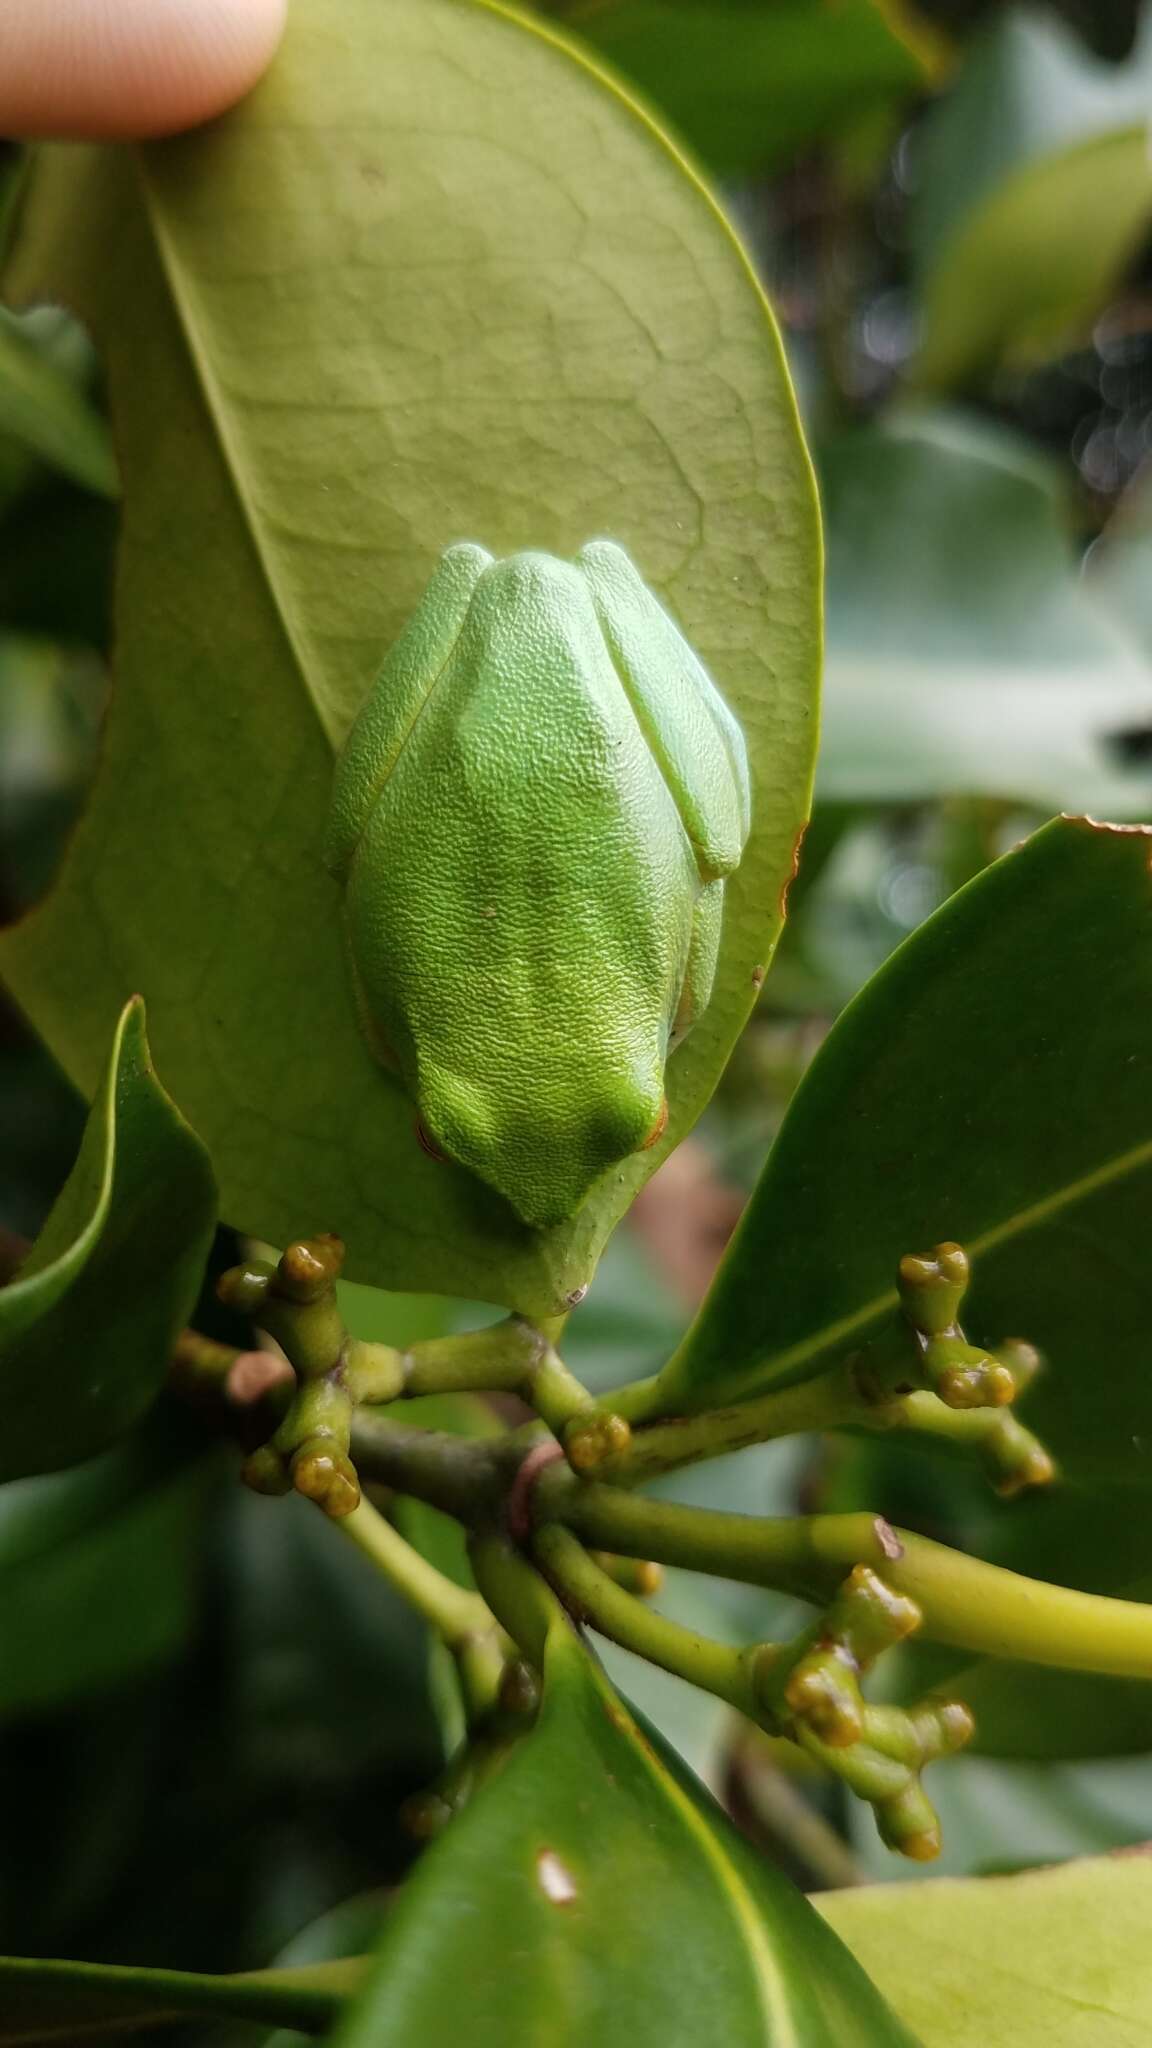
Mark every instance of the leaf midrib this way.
pixel 773 2000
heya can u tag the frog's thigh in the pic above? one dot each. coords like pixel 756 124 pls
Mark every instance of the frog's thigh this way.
pixel 703 949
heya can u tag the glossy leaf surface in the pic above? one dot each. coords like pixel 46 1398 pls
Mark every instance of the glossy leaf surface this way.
pixel 591 1892
pixel 585 353
pixel 86 1328
pixel 992 1085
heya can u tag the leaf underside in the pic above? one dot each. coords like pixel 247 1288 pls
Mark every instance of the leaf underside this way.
pixel 437 279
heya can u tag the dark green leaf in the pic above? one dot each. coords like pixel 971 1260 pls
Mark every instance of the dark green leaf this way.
pixel 56 554
pixel 585 352
pixel 1055 1956
pixel 327 1646
pixel 964 655
pixel 86 1329
pixel 343 1933
pixel 992 1085
pixel 99 1574
pixel 591 1892
pixel 749 86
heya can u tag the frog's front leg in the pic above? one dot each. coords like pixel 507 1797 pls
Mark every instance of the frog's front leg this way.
pixel 700 969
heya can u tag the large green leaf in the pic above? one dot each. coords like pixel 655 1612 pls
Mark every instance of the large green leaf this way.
pixel 73 2002
pixel 1035 188
pixel 86 1329
pixel 592 1893
pixel 992 1084
pixel 436 278
pixel 964 655
pixel 1053 1957
pixel 748 85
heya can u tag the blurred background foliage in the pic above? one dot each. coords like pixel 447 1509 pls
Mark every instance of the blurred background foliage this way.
pixel 210 1713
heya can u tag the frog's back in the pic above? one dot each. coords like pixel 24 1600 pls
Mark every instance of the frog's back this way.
pixel 538 916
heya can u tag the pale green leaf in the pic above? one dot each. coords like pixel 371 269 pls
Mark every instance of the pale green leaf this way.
pixel 436 278
pixel 1052 1959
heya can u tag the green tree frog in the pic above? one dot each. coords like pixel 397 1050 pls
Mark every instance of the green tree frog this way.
pixel 532 820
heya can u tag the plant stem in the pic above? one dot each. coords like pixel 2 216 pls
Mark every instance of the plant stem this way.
pixel 832 1401
pixel 460 1617
pixel 513 1357
pixel 591 1596
pixel 465 1477
pixel 519 1598
pixel 975 1606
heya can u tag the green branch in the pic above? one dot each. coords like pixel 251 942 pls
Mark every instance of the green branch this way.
pixel 452 1611
pixel 917 1372
pixel 591 1595
pixel 807 1690
pixel 296 1300
pixel 463 1620
pixel 964 1602
pixel 465 1477
pixel 836 1400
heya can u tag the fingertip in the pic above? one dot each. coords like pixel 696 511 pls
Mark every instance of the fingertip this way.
pixel 122 69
